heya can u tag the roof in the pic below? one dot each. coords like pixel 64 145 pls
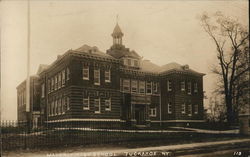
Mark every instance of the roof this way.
pixel 93 51
pixel 117 31
pixel 42 67
pixel 148 66
pixel 177 67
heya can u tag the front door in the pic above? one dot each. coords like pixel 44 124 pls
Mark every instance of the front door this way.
pixel 140 114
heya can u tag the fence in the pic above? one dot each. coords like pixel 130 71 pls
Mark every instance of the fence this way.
pixel 18 135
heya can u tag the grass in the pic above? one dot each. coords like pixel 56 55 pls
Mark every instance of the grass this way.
pixel 71 138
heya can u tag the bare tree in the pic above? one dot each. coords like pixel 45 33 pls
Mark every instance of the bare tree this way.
pixel 230 39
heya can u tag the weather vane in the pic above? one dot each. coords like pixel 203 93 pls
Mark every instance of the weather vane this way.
pixel 117 18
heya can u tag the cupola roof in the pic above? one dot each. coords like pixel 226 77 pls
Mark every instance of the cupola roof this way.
pixel 117 31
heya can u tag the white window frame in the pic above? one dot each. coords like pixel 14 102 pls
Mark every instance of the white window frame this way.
pixel 134 85
pixel 125 61
pixel 148 83
pixel 169 85
pixel 52 84
pixel 63 78
pixel 109 104
pixel 68 74
pixel 43 90
pixel 183 88
pixel 107 74
pixel 140 85
pixel 190 111
pixel 169 108
pixel 63 104
pixel 183 108
pixel 126 81
pixel 85 69
pixel 84 107
pixel 59 80
pixel 99 105
pixel 153 112
pixel 196 109
pixel 155 87
pixel 189 90
pixel 67 103
pixel 97 72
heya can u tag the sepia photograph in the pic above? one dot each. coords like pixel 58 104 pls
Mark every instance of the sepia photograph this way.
pixel 102 78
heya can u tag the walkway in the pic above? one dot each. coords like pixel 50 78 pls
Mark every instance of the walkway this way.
pixel 129 152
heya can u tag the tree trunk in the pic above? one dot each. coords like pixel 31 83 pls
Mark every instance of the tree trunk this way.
pixel 230 115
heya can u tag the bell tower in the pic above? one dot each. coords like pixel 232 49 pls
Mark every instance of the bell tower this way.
pixel 117 35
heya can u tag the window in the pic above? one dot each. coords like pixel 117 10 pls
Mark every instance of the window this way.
pixel 189 109
pixel 155 87
pixel 125 61
pixel 52 84
pixel 49 86
pixel 196 109
pixel 108 104
pixel 121 84
pixel 43 90
pixel 195 88
pixel 67 102
pixel 49 108
pixel 169 107
pixel 141 87
pixel 129 62
pixel 59 105
pixel 63 78
pixel 134 86
pixel 85 72
pixel 182 85
pixel 97 106
pixel 56 82
pixel 68 74
pixel 149 87
pixel 86 103
pixel 189 88
pixel 126 85
pixel 59 80
pixel 152 112
pixel 56 109
pixel 169 84
pixel 136 63
pixel 183 108
pixel 63 104
pixel 107 75
pixel 97 76
pixel 52 107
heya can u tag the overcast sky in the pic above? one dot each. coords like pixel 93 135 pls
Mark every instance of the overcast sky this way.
pixel 161 31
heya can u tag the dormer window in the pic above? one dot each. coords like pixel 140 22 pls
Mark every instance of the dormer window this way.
pixel 129 62
pixel 136 63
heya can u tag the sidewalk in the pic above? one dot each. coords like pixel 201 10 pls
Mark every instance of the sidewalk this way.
pixel 131 152
pixel 235 131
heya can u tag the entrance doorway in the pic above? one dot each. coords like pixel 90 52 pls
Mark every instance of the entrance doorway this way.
pixel 140 116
